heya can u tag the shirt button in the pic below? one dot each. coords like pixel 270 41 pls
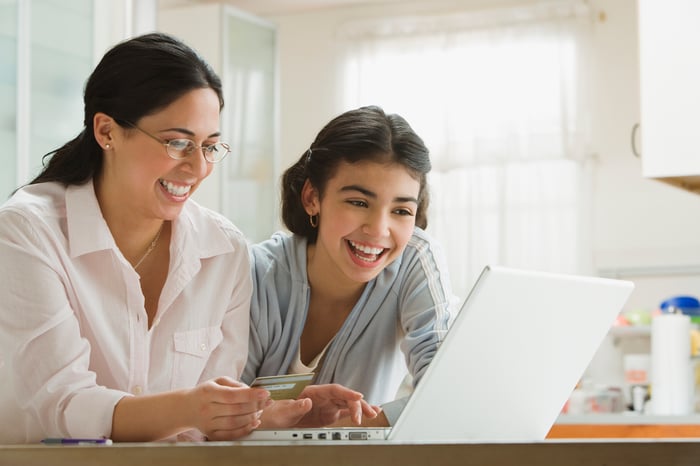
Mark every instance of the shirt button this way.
pixel 156 322
pixel 137 390
pixel 203 347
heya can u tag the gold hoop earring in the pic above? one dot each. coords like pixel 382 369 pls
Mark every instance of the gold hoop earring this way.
pixel 313 220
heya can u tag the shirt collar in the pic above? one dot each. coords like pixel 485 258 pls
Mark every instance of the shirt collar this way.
pixel 194 227
pixel 88 231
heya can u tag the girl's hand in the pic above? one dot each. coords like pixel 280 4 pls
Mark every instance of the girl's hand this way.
pixel 282 414
pixel 317 406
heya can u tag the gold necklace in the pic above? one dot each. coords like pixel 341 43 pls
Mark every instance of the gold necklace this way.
pixel 150 248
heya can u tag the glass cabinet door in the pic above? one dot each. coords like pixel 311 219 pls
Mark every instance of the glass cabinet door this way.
pixel 242 50
pixel 8 97
pixel 46 56
pixel 250 192
pixel 61 61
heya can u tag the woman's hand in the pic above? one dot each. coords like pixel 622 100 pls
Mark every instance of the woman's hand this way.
pixel 317 406
pixel 221 409
pixel 224 409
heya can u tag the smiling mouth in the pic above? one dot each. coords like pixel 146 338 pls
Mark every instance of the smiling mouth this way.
pixel 366 253
pixel 174 189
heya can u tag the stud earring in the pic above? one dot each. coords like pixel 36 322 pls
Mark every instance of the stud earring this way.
pixel 107 146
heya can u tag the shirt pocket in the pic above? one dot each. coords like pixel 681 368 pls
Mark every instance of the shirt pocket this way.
pixel 192 351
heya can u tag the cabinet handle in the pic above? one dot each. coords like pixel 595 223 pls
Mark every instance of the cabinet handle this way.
pixel 636 153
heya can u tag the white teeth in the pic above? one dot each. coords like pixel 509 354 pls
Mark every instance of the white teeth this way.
pixel 366 249
pixel 175 190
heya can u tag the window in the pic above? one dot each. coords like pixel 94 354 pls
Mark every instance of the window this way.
pixel 499 98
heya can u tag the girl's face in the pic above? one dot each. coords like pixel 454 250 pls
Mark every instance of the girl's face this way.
pixel 366 217
pixel 138 170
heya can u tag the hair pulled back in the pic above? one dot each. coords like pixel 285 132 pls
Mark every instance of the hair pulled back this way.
pixel 366 133
pixel 135 78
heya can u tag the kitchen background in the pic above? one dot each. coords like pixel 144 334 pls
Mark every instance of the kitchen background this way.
pixel 532 111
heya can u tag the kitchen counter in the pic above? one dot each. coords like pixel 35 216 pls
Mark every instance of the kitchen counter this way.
pixel 627 425
pixel 551 452
pixel 626 418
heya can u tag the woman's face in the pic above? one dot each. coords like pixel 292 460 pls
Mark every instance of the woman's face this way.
pixel 138 170
pixel 366 217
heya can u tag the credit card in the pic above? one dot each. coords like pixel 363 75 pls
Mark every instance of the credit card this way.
pixel 284 387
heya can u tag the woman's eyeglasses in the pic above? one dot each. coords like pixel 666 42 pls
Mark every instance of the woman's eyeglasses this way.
pixel 179 149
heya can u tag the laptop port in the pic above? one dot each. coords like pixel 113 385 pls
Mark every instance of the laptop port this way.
pixel 308 436
pixel 336 436
pixel 322 436
pixel 357 435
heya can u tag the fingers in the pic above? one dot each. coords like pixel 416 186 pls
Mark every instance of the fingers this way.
pixel 333 390
pixel 239 409
pixel 226 390
pixel 333 401
pixel 285 413
pixel 228 409
pixel 360 408
pixel 229 382
pixel 238 405
pixel 339 391
pixel 235 421
pixel 233 433
pixel 371 411
pixel 299 408
pixel 355 409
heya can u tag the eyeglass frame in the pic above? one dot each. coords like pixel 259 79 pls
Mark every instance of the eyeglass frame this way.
pixel 166 143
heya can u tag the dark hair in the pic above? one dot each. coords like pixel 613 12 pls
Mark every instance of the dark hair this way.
pixel 136 78
pixel 366 133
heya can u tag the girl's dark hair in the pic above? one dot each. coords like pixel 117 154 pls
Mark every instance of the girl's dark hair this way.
pixel 136 78
pixel 366 133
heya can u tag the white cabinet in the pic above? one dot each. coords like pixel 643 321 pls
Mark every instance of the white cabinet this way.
pixel 669 59
pixel 242 50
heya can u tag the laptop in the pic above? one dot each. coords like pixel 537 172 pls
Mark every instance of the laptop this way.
pixel 514 353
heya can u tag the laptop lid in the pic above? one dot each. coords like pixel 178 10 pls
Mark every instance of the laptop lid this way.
pixel 515 352
pixel 509 362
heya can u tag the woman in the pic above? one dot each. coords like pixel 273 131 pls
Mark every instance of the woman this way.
pixel 358 293
pixel 124 308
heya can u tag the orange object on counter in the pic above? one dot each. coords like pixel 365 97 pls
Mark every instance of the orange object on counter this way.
pixel 572 431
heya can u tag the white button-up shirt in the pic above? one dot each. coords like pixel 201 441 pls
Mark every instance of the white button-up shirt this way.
pixel 74 336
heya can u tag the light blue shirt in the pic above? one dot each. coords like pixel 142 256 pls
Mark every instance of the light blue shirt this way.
pixel 394 329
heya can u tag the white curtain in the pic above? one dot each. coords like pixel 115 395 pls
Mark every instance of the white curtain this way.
pixel 499 98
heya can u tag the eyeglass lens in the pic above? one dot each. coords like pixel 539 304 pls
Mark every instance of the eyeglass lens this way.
pixel 181 148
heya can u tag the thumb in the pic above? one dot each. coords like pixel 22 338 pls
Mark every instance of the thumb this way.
pixel 229 382
pixel 303 405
